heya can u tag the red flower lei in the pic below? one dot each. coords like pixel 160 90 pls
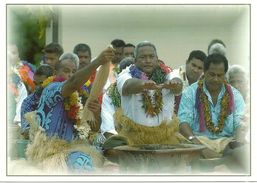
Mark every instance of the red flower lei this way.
pixel 72 104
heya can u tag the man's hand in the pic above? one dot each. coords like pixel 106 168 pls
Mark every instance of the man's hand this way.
pixel 106 56
pixel 95 107
pixel 175 85
pixel 150 85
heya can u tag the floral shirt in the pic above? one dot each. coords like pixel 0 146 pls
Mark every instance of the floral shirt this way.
pixel 51 114
pixel 188 113
pixel 29 104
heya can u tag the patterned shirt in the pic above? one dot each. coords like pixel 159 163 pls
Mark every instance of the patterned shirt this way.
pixel 51 114
pixel 29 104
pixel 189 114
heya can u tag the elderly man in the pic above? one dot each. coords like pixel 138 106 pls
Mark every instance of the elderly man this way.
pixel 237 77
pixel 211 110
pixel 217 46
pixel 58 115
pixel 190 72
pixel 147 98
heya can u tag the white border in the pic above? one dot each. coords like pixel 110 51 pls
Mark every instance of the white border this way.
pixel 3 176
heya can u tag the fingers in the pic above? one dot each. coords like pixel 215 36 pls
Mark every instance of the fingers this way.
pixel 93 106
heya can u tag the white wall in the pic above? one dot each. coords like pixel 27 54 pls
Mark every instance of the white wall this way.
pixel 175 30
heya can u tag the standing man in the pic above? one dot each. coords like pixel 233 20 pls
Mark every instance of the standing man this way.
pixel 118 45
pixel 52 52
pixel 83 51
pixel 190 72
pixel 128 50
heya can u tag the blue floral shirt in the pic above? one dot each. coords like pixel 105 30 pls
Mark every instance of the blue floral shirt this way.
pixel 29 104
pixel 51 114
pixel 188 113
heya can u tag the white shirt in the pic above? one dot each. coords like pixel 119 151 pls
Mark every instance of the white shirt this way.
pixel 181 73
pixel 132 104
pixel 19 99
pixel 21 96
pixel 107 112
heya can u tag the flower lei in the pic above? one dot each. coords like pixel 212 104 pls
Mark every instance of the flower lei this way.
pixel 26 73
pixel 202 104
pixel 158 76
pixel 114 95
pixel 72 104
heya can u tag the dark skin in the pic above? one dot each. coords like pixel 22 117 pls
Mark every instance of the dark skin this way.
pixel 147 61
pixel 78 78
pixel 214 78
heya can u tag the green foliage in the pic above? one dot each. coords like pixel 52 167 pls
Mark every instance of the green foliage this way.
pixel 26 28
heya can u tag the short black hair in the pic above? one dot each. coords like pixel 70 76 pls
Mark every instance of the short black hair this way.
pixel 214 41
pixel 215 59
pixel 129 45
pixel 118 43
pixel 81 47
pixel 197 54
pixel 44 70
pixel 53 48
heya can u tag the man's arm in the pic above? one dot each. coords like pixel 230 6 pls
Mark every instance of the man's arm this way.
pixel 187 132
pixel 175 85
pixel 80 77
pixel 133 86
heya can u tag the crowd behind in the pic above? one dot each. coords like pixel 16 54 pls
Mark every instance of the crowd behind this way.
pixel 205 101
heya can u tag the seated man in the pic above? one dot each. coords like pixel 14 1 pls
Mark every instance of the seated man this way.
pixel 59 144
pixel 147 99
pixel 211 110
pixel 237 77
pixel 30 103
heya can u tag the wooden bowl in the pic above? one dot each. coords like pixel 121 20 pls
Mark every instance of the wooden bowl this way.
pixel 154 158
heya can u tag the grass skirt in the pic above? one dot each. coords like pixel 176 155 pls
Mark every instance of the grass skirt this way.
pixel 136 134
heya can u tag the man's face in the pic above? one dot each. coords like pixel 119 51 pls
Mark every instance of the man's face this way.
pixel 215 76
pixel 194 69
pixel 84 59
pixel 66 69
pixel 118 55
pixel 128 52
pixel 146 59
pixel 51 59
pixel 38 79
pixel 239 82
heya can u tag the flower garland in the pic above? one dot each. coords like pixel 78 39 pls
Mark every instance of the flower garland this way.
pixel 26 73
pixel 114 95
pixel 71 104
pixel 202 104
pixel 158 76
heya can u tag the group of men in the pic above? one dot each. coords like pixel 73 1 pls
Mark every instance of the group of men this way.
pixel 141 92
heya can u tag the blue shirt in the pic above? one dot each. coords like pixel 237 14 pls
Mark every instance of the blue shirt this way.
pixel 29 104
pixel 189 114
pixel 51 114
